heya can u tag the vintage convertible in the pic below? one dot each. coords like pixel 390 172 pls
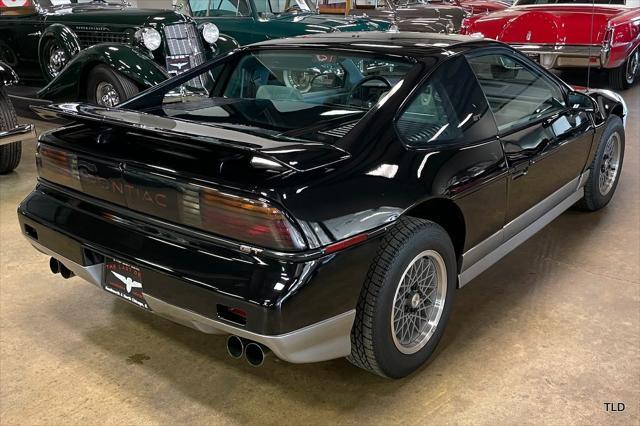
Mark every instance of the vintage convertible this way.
pixel 565 34
pixel 11 134
pixel 333 223
pixel 98 51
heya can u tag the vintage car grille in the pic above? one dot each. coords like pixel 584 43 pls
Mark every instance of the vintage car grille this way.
pixel 184 50
pixel 89 38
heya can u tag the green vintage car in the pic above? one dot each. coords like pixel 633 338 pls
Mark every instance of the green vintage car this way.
pixel 250 21
pixel 100 52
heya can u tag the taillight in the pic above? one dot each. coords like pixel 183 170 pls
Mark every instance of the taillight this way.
pixel 246 220
pixel 58 166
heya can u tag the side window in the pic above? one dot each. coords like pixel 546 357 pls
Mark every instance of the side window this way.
pixel 449 108
pixel 516 93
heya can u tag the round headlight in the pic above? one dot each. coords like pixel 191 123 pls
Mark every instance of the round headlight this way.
pixel 210 33
pixel 151 38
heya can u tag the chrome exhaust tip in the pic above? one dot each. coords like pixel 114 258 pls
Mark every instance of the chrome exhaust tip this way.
pixel 54 265
pixel 255 354
pixel 65 272
pixel 235 347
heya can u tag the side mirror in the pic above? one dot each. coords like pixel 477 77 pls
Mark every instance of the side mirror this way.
pixel 581 102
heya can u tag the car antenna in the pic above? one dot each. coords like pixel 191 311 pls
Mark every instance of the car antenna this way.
pixel 593 12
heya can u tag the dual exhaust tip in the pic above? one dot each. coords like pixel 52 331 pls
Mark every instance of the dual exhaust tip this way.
pixel 254 352
pixel 58 268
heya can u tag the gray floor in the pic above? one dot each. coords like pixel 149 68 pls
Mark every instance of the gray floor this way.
pixel 547 336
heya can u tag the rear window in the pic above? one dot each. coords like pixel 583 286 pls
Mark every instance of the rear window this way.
pixel 285 91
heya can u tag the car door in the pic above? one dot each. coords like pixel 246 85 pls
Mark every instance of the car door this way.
pixel 20 30
pixel 546 143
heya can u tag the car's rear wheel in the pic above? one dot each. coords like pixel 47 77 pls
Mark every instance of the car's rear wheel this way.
pixel 406 299
pixel 604 171
pixel 9 153
pixel 627 74
pixel 106 87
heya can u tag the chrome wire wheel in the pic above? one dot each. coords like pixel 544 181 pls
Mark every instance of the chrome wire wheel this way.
pixel 632 66
pixel 419 302
pixel 56 59
pixel 107 95
pixel 610 165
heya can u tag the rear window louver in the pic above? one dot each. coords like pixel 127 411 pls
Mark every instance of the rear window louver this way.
pixel 339 132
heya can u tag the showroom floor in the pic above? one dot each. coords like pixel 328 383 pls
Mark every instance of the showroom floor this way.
pixel 546 336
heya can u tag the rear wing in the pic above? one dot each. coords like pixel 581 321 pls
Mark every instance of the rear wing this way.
pixel 265 153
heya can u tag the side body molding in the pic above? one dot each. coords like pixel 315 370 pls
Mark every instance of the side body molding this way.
pixel 480 257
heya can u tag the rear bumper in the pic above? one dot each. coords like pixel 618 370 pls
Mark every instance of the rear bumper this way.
pixel 565 56
pixel 303 311
pixel 17 134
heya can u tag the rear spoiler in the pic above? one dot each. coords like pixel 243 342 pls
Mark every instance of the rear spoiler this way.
pixel 266 153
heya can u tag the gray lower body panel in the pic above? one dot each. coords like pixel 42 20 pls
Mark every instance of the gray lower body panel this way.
pixel 322 341
pixel 479 258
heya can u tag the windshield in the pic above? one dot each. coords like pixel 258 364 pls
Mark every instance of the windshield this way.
pixel 276 7
pixel 589 2
pixel 285 93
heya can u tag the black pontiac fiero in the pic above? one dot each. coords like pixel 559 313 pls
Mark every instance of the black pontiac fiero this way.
pixel 334 221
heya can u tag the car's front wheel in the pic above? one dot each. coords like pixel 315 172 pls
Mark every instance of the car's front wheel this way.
pixel 406 299
pixel 626 74
pixel 106 87
pixel 604 171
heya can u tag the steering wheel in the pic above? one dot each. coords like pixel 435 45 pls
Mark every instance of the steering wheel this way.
pixel 359 84
pixel 293 8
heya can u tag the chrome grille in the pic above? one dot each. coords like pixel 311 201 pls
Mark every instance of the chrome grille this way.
pixel 184 50
pixel 89 38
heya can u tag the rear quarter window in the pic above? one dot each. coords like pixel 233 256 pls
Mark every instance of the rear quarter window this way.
pixel 448 108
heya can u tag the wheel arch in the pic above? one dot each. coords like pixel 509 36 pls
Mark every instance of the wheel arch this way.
pixel 447 214
pixel 69 41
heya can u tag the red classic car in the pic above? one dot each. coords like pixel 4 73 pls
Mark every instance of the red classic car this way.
pixel 564 34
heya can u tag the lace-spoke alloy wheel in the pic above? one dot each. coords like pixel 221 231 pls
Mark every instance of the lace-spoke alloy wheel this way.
pixel 419 302
pixel 610 164
pixel 406 299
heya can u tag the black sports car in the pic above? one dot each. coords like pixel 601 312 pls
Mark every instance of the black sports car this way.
pixel 337 222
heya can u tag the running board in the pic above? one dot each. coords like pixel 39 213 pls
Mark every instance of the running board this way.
pixel 508 246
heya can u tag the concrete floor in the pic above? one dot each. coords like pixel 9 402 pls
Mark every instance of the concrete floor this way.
pixel 546 336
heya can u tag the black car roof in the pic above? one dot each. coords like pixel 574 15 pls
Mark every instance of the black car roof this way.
pixel 413 44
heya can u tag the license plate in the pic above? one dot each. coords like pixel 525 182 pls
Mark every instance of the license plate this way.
pixel 534 57
pixel 178 64
pixel 125 281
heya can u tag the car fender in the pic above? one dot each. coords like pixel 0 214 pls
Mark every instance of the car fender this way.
pixel 129 61
pixel 69 42
pixel 225 44
pixel 7 75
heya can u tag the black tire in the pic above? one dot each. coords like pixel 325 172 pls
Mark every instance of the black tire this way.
pixel 124 87
pixel 620 78
pixel 593 198
pixel 372 341
pixel 9 154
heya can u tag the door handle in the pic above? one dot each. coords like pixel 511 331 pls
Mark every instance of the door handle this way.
pixel 520 171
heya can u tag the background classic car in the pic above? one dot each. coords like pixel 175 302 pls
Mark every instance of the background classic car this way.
pixel 250 21
pixel 559 34
pixel 412 15
pixel 11 134
pixel 97 51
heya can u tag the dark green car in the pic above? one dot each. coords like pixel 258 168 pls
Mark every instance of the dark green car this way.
pixel 250 21
pixel 100 52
